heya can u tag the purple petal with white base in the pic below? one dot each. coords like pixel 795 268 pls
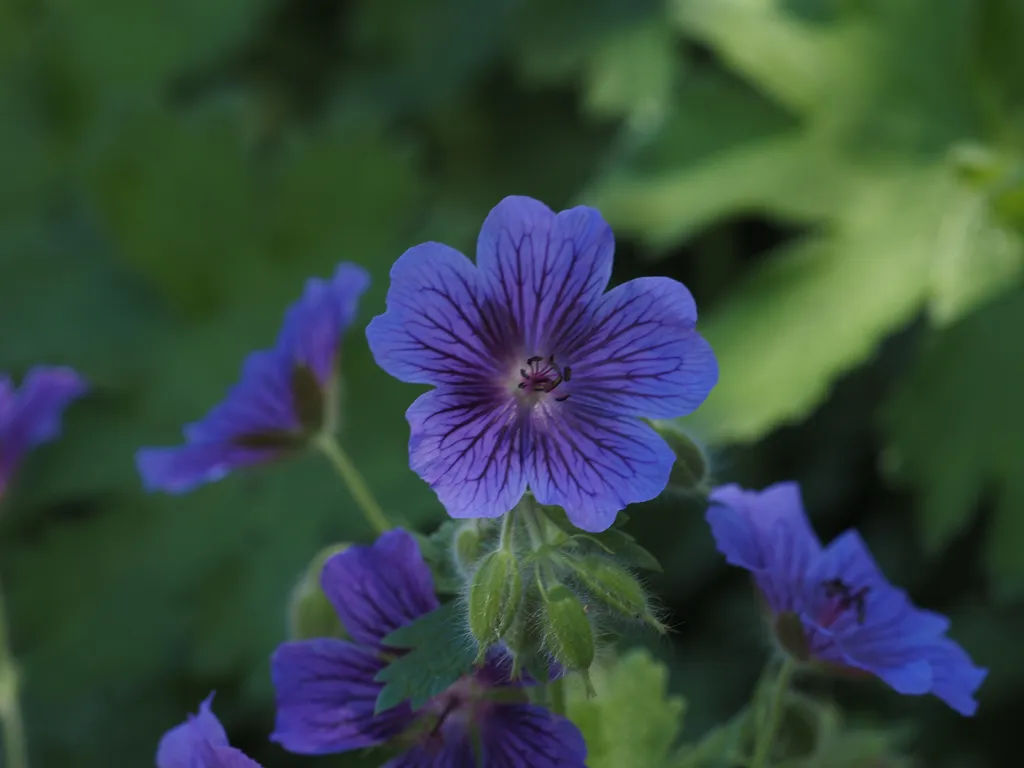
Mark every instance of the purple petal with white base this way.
pixel 469 450
pixel 643 356
pixel 530 357
pixel 440 327
pixel 31 415
pixel 595 464
pixel 549 269
pixel 849 614
pixel 200 742
pixel 285 394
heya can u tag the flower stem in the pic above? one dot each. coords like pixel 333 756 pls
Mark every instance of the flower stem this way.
pixel 766 734
pixel 15 750
pixel 507 531
pixel 356 484
pixel 557 692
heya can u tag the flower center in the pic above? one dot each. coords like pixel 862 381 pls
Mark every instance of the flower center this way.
pixel 457 708
pixel 842 598
pixel 544 375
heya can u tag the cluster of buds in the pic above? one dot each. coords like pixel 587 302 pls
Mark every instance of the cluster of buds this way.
pixel 541 588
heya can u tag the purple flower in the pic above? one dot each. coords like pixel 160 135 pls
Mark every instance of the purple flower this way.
pixel 286 394
pixel 31 416
pixel 540 375
pixel 326 690
pixel 832 605
pixel 200 742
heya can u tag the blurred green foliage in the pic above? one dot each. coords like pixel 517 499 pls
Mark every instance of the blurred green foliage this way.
pixel 830 177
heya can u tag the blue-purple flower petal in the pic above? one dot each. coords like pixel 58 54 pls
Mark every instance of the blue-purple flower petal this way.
pixel 281 393
pixel 439 327
pixel 469 446
pixel 594 464
pixel 326 694
pixel 641 355
pixel 515 735
pixel 200 742
pixel 955 678
pixel 31 415
pixel 766 532
pixel 378 588
pixel 548 269
pixel 312 327
pixel 451 748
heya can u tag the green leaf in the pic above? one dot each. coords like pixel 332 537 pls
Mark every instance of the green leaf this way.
pixel 873 274
pixel 440 652
pixel 160 40
pixel 632 722
pixel 955 426
pixel 858 141
pixel 633 74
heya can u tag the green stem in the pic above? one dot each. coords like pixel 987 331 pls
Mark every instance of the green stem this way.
pixel 507 525
pixel 356 484
pixel 766 735
pixel 15 749
pixel 557 692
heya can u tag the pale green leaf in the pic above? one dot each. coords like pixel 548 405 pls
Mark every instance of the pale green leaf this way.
pixel 632 722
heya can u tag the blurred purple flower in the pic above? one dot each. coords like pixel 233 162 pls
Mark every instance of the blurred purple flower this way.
pixel 540 375
pixel 326 691
pixel 200 742
pixel 285 396
pixel 31 415
pixel 832 604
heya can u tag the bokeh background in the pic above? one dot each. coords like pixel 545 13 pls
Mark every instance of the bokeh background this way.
pixel 840 183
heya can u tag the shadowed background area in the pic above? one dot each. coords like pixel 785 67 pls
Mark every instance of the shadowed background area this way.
pixel 839 182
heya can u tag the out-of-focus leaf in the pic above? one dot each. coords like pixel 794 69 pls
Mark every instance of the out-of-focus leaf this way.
pixel 857 285
pixel 632 722
pixel 955 427
pixel 192 244
pixel 723 148
pixel 122 50
pixel 633 74
pixel 866 166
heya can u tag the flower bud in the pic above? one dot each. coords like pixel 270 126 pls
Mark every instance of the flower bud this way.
pixel 691 470
pixel 494 597
pixel 310 613
pixel 569 636
pixel 466 545
pixel 615 587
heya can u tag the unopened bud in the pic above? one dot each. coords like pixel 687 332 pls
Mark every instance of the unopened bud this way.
pixel 494 597
pixel 467 545
pixel 615 587
pixel 690 472
pixel 569 636
pixel 310 613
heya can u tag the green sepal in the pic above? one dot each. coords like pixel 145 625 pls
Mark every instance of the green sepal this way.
pixel 495 597
pixel 568 634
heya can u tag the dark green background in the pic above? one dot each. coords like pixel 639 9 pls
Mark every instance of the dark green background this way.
pixel 840 183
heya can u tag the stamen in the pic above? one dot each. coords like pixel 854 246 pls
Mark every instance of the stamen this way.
pixel 836 587
pixel 543 375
